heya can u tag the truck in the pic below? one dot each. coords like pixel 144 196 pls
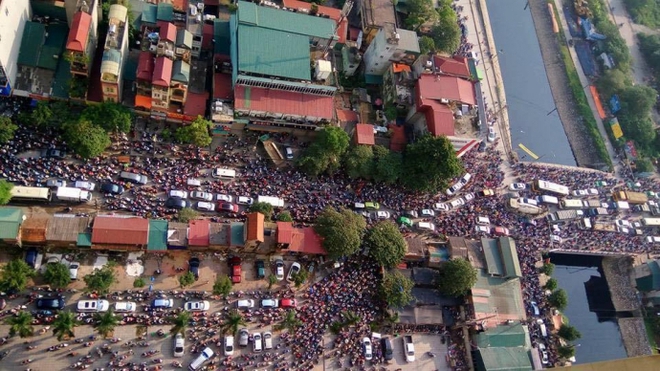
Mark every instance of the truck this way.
pixel 598 211
pixel 563 215
pixel 71 194
pixel 634 198
pixel 409 348
pixel 604 227
pixel 592 203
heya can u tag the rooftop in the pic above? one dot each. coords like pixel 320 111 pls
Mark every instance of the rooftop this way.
pixel 181 71
pixel 222 86
pixel 221 37
pixel 167 31
pixel 312 243
pixel 157 235
pixel 333 13
pixel 162 72
pixel 437 87
pixel 456 66
pixel 281 20
pixel 283 102
pixel 111 230
pixel 79 32
pixel 165 12
pixel 196 104
pixel 177 234
pixel 150 13
pixel 497 299
pixel 507 336
pixel 255 227
pixel 42 45
pixel 146 63
pixel 199 232
pixel 34 229
pixel 378 12
pixel 364 134
pixel 10 222
pixel 66 228
pixel 439 117
pixel 505 359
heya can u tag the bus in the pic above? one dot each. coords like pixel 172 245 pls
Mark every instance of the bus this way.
pixel 651 222
pixel 24 194
pixel 571 204
pixel 543 186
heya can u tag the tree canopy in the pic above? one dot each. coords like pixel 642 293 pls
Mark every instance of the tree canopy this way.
pixel 385 243
pixel 359 161
pixel 222 285
pixel 446 33
pixel 64 324
pixel 396 289
pixel 566 352
pixel 187 214
pixel 341 231
pixel 197 133
pixel 5 191
pixel 612 82
pixel 21 325
pixel 15 275
pixel 57 275
pixel 426 44
pixel 558 299
pixel 639 128
pixel 284 216
pixel 325 153
pixel 430 163
pixel 419 13
pixel 262 207
pixel 85 138
pixel 568 332
pixel 112 117
pixel 551 284
pixel 186 279
pixel 388 165
pixel 41 115
pixel 7 129
pixel 456 277
pixel 100 280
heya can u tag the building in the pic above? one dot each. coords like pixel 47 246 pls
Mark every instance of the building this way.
pixel 398 86
pixel 11 219
pixel 373 15
pixel 34 230
pixel 14 14
pixel 364 135
pixel 647 279
pixel 651 362
pixel 391 45
pixel 254 231
pixel 81 46
pixel 504 347
pixel 157 235
pixel 115 53
pixel 64 231
pixel 456 66
pixel 120 233
pixel 199 233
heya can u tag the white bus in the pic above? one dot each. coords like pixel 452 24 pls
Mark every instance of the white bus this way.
pixel 651 222
pixel 542 186
pixel 39 194
pixel 275 201
pixel 571 204
pixel 224 173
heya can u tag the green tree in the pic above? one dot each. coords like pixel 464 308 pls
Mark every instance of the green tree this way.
pixel 21 325
pixel 341 231
pixel 112 117
pixel 396 289
pixel 649 45
pixel 566 352
pixel 187 214
pixel 197 133
pixel 325 153
pixel 106 322
pixel 289 322
pixel 568 333
pixel 186 279
pixel 139 282
pixel 5 191
pixel 637 100
pixel 180 323
pixel 639 128
pixel 272 279
pixel 262 207
pixel 387 165
pixel 64 324
pixel 612 82
pixel 41 116
pixel 426 44
pixel 446 33
pixel 233 322
pixel 85 138
pixel 100 280
pixel 456 277
pixel 551 284
pixel 430 163
pixel 420 12
pixel 359 161
pixel 548 269
pixel 7 129
pixel 284 216
pixel 15 275
pixel 300 277
pixel 385 243
pixel 57 275
pixel 643 165
pixel 558 299
pixel 222 286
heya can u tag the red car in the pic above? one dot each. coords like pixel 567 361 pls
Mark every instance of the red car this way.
pixel 288 303
pixel 236 271
pixel 227 206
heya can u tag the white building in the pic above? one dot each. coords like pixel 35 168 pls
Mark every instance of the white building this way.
pixel 114 54
pixel 391 45
pixel 13 15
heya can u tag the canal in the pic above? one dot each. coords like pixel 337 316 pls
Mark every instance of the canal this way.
pixel 533 120
pixel 589 309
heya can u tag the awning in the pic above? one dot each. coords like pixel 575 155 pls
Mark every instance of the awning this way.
pixel 84 240
pixel 143 101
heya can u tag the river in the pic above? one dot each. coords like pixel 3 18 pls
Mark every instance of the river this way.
pixel 533 120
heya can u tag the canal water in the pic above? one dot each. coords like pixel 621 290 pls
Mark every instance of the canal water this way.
pixel 589 309
pixel 532 116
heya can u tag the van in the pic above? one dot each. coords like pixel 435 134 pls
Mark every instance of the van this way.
pixel 224 173
pixel 133 177
pixel 544 330
pixel 268 340
pixel 552 200
pixel 482 220
pixel 426 226
pixel 206 354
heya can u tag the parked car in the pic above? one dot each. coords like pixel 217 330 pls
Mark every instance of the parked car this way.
pixel 289 153
pixel 31 258
pixel 543 353
pixel 382 215
pixel 197 306
pixel 486 192
pixel 441 206
pixel 517 186
pixel 295 268
pixel 580 192
pixel 55 183
pixel 206 354
pixel 86 185
pixel 51 303
pixel 205 206
pixel 257 345
pixel 236 272
pixel 245 304
pixel 269 303
pixel 229 345
pixel 163 303
pixel 501 231
pixel 244 200
pixel 482 229
pixel 203 196
pixel 243 337
pixel 260 269
pixel 193 267
pixel 427 213
pixel 469 197
pixel 226 206
pixel 73 270
pixel 176 203
pixel 279 269
pixel 372 205
pixel 178 193
pixel 112 188
pixel 224 197
pixel 53 153
pixel 179 345
pixel 125 307
pixel 388 352
pixel 93 306
pixel 366 346
pixel 288 303
pixel 491 134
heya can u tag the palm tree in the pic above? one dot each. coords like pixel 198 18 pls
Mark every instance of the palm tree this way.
pixel 21 325
pixel 289 322
pixel 351 318
pixel 180 323
pixel 234 321
pixel 106 322
pixel 64 324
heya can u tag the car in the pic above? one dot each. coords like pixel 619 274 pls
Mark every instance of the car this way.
pixel 382 214
pixel 162 303
pixel 179 345
pixel 125 307
pixel 388 352
pixel 203 196
pixel 244 200
pixel 269 303
pixel 197 306
pixel 453 189
pixel 366 347
pixel 226 206
pixel 405 221
pixel 482 229
pixel 469 197
pixel 411 213
pixel 73 270
pixel 112 188
pixel 555 238
pixel 279 269
pixel 193 182
pixel 84 184
pixel 243 337
pixel 245 304
pixel 482 220
pixel 622 223
pixel 229 345
pixel 517 186
pixel 457 202
pixel 31 258
pixel 93 306
pixel 134 178
pixel 592 192
pixel 288 303
pixel 224 197
pixel 289 153
pixel 295 268
pixel 543 353
pixel 580 192
pixel 528 201
pixel 51 303
pixel 257 346
pixel 52 260
pixel 380 129
pixel 372 205
pixel 205 206
pixel 193 267
pixel 501 231
pixel 440 206
pixel 236 270
pixel 206 354
pixel 176 203
pixel 482 146
pixel 491 134
pixel 260 269
pixel 178 193
pixel 428 213
pixel 268 340
pixel 55 183
pixel 486 192
pixel 53 153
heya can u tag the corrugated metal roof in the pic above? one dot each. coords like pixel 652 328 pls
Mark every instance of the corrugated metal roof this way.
pixel 34 35
pixel 509 359
pixel 438 87
pixel 79 32
pixel 110 230
pixel 501 336
pixel 196 104
pixel 162 72
pixel 219 234
pixel 255 227
pixel 311 243
pixel 237 237
pixel 150 13
pixel 84 240
pixel 157 235
pixel 34 229
pixel 165 12
pixel 177 234
pixel 222 88
pixel 510 257
pixel 198 232
pixel 492 255
pixel 283 102
pixel 364 134
pixel 221 37
pixel 167 31
pixel 644 363
pixel 284 20
pixel 66 229
pixel 378 12
pixel 145 68
pixel 273 53
pixel 456 66
pixel 10 222
pixel 181 71
pixel 347 115
pixel 61 81
pixel 49 56
pixel 408 41
pixel 110 62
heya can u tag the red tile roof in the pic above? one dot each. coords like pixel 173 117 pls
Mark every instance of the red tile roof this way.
pixel 439 87
pixel 196 104
pixel 145 66
pixel 397 138
pixel 162 72
pixel 364 134
pixel 311 243
pixel 222 86
pixel 456 66
pixel 198 232
pixel 283 102
pixel 255 227
pixel 111 230
pixel 439 118
pixel 333 13
pixel 284 232
pixel 346 115
pixel 167 31
pixel 79 32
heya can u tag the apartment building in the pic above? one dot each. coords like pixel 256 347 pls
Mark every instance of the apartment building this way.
pixel 114 53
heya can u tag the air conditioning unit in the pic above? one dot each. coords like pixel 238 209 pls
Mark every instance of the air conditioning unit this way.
pixel 428 64
pixel 153 48
pixel 444 100
pixel 169 53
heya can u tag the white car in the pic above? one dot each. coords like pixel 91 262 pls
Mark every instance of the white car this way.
pixel 543 353
pixel 243 337
pixel 366 346
pixel 245 304
pixel 179 344
pixel 93 306
pixel 528 201
pixel 491 134
pixel 380 129
pixel 269 303
pixel 441 206
pixel 86 185
pixel 257 346
pixel 229 345
pixel 482 229
pixel 178 193
pixel 279 269
pixel 517 186
pixel 592 192
pixel 428 212
pixel 244 200
pixel 295 268
pixel 580 192
pixel 223 197
pixel 622 223
pixel 73 270
pixel 199 195
pixel 125 307
pixel 206 354
pixel 469 197
pixel 382 214
pixel 555 238
pixel 205 206
pixel 197 306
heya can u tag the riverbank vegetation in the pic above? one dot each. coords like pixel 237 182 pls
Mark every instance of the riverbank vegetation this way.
pixel 646 12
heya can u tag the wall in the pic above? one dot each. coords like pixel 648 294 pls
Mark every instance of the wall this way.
pixel 13 15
